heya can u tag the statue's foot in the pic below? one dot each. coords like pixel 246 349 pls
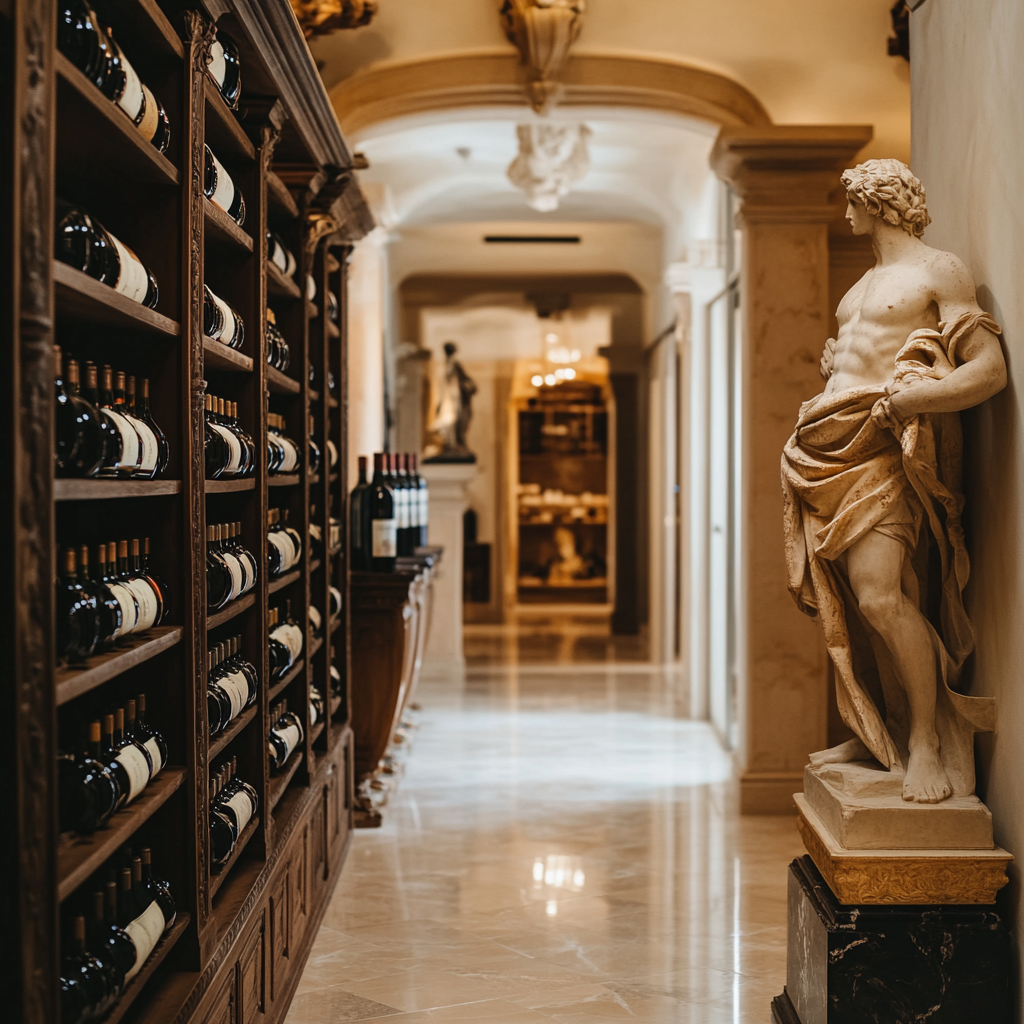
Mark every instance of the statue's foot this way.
pixel 851 750
pixel 926 781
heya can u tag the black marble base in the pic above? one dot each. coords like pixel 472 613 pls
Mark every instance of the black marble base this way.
pixel 891 965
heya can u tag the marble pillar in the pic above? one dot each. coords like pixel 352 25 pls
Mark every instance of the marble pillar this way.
pixel 448 482
pixel 782 175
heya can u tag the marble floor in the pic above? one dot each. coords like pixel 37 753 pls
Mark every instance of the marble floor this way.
pixel 562 847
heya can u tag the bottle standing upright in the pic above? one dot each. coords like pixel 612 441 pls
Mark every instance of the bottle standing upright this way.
pixel 359 521
pixel 381 514
pixel 423 499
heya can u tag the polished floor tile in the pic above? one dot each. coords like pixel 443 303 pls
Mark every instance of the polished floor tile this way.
pixel 563 847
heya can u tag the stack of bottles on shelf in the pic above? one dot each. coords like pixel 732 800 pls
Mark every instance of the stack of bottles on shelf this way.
pixel 284 547
pixel 231 569
pixel 92 49
pixel 286 641
pixel 219 187
pixel 118 757
pixel 229 450
pixel 224 68
pixel 283 454
pixel 389 513
pixel 285 735
pixel 280 255
pixel 220 321
pixel 316 706
pixel 126 919
pixel 125 598
pixel 314 448
pixel 233 804
pixel 279 352
pixel 232 684
pixel 107 433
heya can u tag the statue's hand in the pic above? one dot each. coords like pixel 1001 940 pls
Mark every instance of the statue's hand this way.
pixel 883 413
pixel 827 358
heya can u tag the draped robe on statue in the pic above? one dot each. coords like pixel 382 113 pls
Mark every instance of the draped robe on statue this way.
pixel 844 475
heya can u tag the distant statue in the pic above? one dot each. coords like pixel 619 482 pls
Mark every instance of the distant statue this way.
pixel 454 411
pixel 570 566
pixel 873 499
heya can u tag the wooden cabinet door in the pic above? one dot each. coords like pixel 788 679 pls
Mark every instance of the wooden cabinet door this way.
pixel 252 974
pixel 222 1011
pixel 298 902
pixel 280 932
pixel 331 792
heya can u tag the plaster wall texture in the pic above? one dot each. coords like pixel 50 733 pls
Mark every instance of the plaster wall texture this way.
pixel 808 62
pixel 968 148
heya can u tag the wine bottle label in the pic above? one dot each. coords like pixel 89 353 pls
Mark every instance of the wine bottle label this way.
pixel 128 605
pixel 149 607
pixel 284 548
pixel 150 445
pixel 230 329
pixel 290 736
pixel 313 714
pixel 385 542
pixel 332 452
pixel 224 188
pixel 236 686
pixel 236 572
pixel 129 439
pixel 132 280
pixel 145 932
pixel 291 636
pixel 150 120
pixel 153 749
pixel 241 804
pixel 137 767
pixel 132 99
pixel 291 455
pixel 293 535
pixel 217 67
pixel 251 570
pixel 314 618
pixel 234 448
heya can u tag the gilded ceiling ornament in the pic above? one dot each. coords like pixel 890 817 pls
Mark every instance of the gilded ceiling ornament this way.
pixel 319 17
pixel 542 31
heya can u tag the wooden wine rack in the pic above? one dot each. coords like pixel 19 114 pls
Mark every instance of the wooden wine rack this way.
pixel 244 929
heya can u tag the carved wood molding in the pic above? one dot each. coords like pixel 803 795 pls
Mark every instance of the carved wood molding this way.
pixel 321 17
pixel 495 78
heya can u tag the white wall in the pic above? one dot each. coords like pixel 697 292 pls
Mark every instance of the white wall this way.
pixel 968 148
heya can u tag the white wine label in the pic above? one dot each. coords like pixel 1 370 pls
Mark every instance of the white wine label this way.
pixel 236 572
pixel 234 448
pixel 335 600
pixel 293 535
pixel 291 734
pixel 278 257
pixel 291 636
pixel 241 804
pixel 236 686
pixel 284 548
pixel 150 445
pixel 224 191
pixel 145 932
pixel 129 439
pixel 132 279
pixel 128 605
pixel 313 716
pixel 385 542
pixel 251 571
pixel 230 322
pixel 217 66
pixel 150 119
pixel 291 455
pixel 153 749
pixel 132 99
pixel 310 287
pixel 314 618
pixel 149 608
pixel 332 452
pixel 135 764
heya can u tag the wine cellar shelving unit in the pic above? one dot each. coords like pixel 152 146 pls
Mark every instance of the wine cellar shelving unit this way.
pixel 243 929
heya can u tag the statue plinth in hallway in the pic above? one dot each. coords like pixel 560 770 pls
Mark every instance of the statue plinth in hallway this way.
pixel 454 412
pixel 902 848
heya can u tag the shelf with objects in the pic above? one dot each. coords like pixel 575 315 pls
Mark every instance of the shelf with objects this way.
pixel 562 514
pixel 196 777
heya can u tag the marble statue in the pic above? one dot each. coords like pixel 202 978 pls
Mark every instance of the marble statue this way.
pixel 454 412
pixel 873 502
pixel 552 159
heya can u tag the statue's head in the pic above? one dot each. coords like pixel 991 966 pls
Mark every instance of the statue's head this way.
pixel 450 349
pixel 889 190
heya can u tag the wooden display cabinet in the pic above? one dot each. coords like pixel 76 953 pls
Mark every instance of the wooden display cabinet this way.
pixel 243 930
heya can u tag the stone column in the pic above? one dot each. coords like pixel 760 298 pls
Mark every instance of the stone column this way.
pixel 448 482
pixel 783 175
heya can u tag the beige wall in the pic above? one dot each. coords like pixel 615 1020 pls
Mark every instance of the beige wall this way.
pixel 968 150
pixel 807 61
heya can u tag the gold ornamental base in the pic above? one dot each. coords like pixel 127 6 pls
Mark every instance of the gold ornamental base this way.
pixel 909 877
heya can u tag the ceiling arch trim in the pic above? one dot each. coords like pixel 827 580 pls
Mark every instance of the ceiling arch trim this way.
pixel 497 79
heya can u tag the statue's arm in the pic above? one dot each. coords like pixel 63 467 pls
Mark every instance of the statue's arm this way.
pixel 981 369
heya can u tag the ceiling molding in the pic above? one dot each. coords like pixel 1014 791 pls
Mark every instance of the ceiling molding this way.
pixel 496 78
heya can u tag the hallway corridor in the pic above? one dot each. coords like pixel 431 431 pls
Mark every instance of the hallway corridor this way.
pixel 561 848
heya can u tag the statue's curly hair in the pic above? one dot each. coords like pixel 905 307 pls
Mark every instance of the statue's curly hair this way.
pixel 890 190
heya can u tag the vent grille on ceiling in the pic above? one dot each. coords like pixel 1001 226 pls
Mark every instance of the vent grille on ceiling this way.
pixel 534 239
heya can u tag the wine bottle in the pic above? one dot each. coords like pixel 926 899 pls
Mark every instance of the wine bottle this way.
pixel 230 682
pixel 248 466
pixel 280 255
pixel 380 511
pixel 149 447
pixel 80 437
pixel 143 924
pixel 336 686
pixel 153 741
pixel 333 308
pixel 222 830
pixel 239 460
pixel 157 889
pixel 236 798
pixel 285 735
pixel 279 352
pixel 97 944
pixel 244 556
pixel 154 442
pixel 108 610
pixel 84 988
pixel 221 322
pixel 279 652
pixel 220 581
pixel 316 706
pixel 147 589
pixel 111 940
pixel 132 757
pixel 314 449
pixel 122 451
pixel 403 496
pixel 359 521
pixel 81 39
pixel 424 500
pixel 334 601
pixel 216 452
pixel 332 455
pixel 124 87
pixel 122 593
pixel 87 792
pixel 220 189
pixel 316 620
pixel 225 69
pixel 77 614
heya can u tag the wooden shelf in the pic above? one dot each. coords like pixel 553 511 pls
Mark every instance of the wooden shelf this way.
pixel 278 193
pixel 221 872
pixel 237 726
pixel 289 677
pixel 76 489
pixel 314 565
pixel 332 402
pixel 284 581
pixel 334 624
pixel 236 607
pixel 314 396
pixel 154 27
pixel 278 284
pixel 77 859
pixel 335 704
pixel 312 310
pixel 317 729
pixel 318 642
pixel 283 480
pixel 221 228
pixel 155 959
pixel 224 134
pixel 280 783
pixel 92 114
pixel 73 682
pixel 245 483
pixel 82 297
pixel 227 360
pixel 280 383
pixel 332 330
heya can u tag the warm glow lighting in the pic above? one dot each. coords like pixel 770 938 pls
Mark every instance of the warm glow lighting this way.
pixel 550 379
pixel 578 878
pixel 552 908
pixel 551 338
pixel 536 380
pixel 538 870
pixel 569 373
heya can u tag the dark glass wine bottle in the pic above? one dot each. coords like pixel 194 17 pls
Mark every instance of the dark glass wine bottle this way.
pixel 152 740
pixel 158 889
pixel 133 766
pixel 285 735
pixel 108 610
pixel 84 976
pixel 380 511
pixel 222 830
pixel 135 98
pixel 280 255
pixel 279 652
pixel 220 189
pixel 112 938
pixel 225 69
pixel 81 39
pixel 80 437
pixel 144 924
pixel 87 792
pixel 107 565
pixel 314 448
pixel 96 942
pixel 221 322
pixel 359 521
pixel 217 452
pixel 152 458
pixel 77 614
pixel 127 450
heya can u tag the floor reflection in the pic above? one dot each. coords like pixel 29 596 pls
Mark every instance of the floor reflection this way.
pixel 563 847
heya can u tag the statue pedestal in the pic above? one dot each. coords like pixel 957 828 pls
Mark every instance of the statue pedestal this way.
pixel 448 501
pixel 855 964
